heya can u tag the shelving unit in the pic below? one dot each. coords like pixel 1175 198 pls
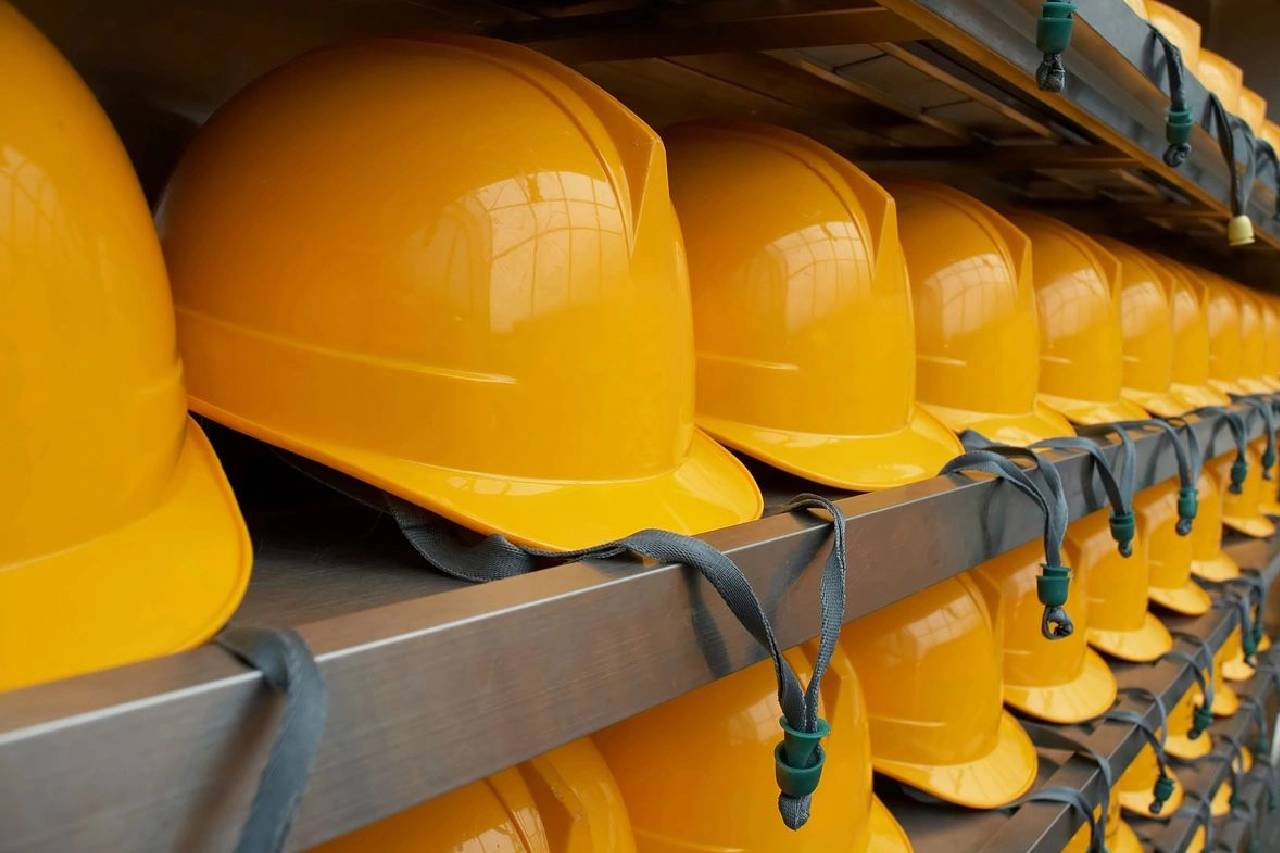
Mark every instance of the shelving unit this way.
pixel 435 683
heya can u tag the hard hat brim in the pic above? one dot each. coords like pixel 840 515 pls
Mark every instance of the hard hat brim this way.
pixel 1221 802
pixel 710 489
pixel 995 779
pixel 1144 645
pixel 1138 800
pixel 1086 696
pixel 1239 385
pixel 1269 507
pixel 887 835
pixel 1188 599
pixel 859 462
pixel 1258 526
pixel 161 584
pixel 1198 396
pixel 1186 749
pixel 1094 411
pixel 1018 429
pixel 1159 405
pixel 1236 669
pixel 1219 569
pixel 1225 700
pixel 1124 840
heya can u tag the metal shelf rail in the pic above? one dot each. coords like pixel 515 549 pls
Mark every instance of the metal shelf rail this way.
pixel 431 691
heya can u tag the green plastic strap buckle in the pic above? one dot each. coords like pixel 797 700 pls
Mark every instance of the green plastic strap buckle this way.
pixel 1053 584
pixel 1123 528
pixel 1201 720
pixel 1239 471
pixel 798 759
pixel 1177 126
pixel 1053 30
pixel 1268 462
pixel 1162 791
pixel 1188 503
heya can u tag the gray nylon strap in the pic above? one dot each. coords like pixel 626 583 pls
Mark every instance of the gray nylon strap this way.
pixel 1187 464
pixel 1051 737
pixel 1116 476
pixel 287 666
pixel 1262 407
pixel 1201 664
pixel 1176 153
pixel 1198 810
pixel 1233 421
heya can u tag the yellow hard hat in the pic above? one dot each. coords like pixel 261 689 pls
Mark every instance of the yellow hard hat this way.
pixel 1060 680
pixel 1135 785
pixel 1253 354
pixel 564 800
pixel 1120 836
pixel 1077 285
pixel 1243 512
pixel 1179 29
pixel 1226 338
pixel 1222 77
pixel 1270 306
pixel 1187 301
pixel 1139 7
pixel 1234 666
pixel 1225 699
pixel 1208 560
pixel 1253 109
pixel 1115 591
pixel 1168 554
pixel 1146 325
pixel 733 804
pixel 801 308
pixel 121 539
pixel 435 331
pixel 1179 743
pixel 975 315
pixel 1221 802
pixel 931 668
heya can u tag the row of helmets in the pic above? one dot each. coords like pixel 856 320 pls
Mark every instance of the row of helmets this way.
pixel 513 342
pixel 1219 74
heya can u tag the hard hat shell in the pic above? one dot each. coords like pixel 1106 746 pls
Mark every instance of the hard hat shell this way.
pixel 1135 785
pixel 1181 719
pixel 801 308
pixel 1208 560
pixel 563 800
pixel 1062 680
pixel 1077 284
pixel 1243 512
pixel 975 315
pixel 1168 554
pixel 1180 29
pixel 728 725
pixel 1270 306
pixel 1222 77
pixel 1226 338
pixel 1187 300
pixel 1253 109
pixel 120 539
pixel 1115 591
pixel 1253 344
pixel 1120 836
pixel 1234 666
pixel 931 668
pixel 507 341
pixel 1146 326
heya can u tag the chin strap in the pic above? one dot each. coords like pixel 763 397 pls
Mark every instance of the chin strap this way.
pixel 1054 581
pixel 1262 407
pixel 1178 120
pixel 1262 747
pixel 1248 642
pixel 1118 486
pixel 1052 737
pixel 1239 229
pixel 288 668
pixel 1202 716
pixel 1163 787
pixel 1235 767
pixel 799 757
pixel 1198 810
pixel 1240 466
pixel 1188 464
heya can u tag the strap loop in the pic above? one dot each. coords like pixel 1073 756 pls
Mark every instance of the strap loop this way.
pixel 1119 487
pixel 1239 467
pixel 1188 464
pixel 1178 120
pixel 287 666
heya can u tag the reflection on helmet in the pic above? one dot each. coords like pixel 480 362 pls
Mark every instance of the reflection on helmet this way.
pixel 1207 557
pixel 802 312
pixel 1226 338
pixel 975 316
pixel 729 725
pixel 120 539
pixel 931 668
pixel 564 800
pixel 1253 344
pixel 397 321
pixel 1077 285
pixel 1116 591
